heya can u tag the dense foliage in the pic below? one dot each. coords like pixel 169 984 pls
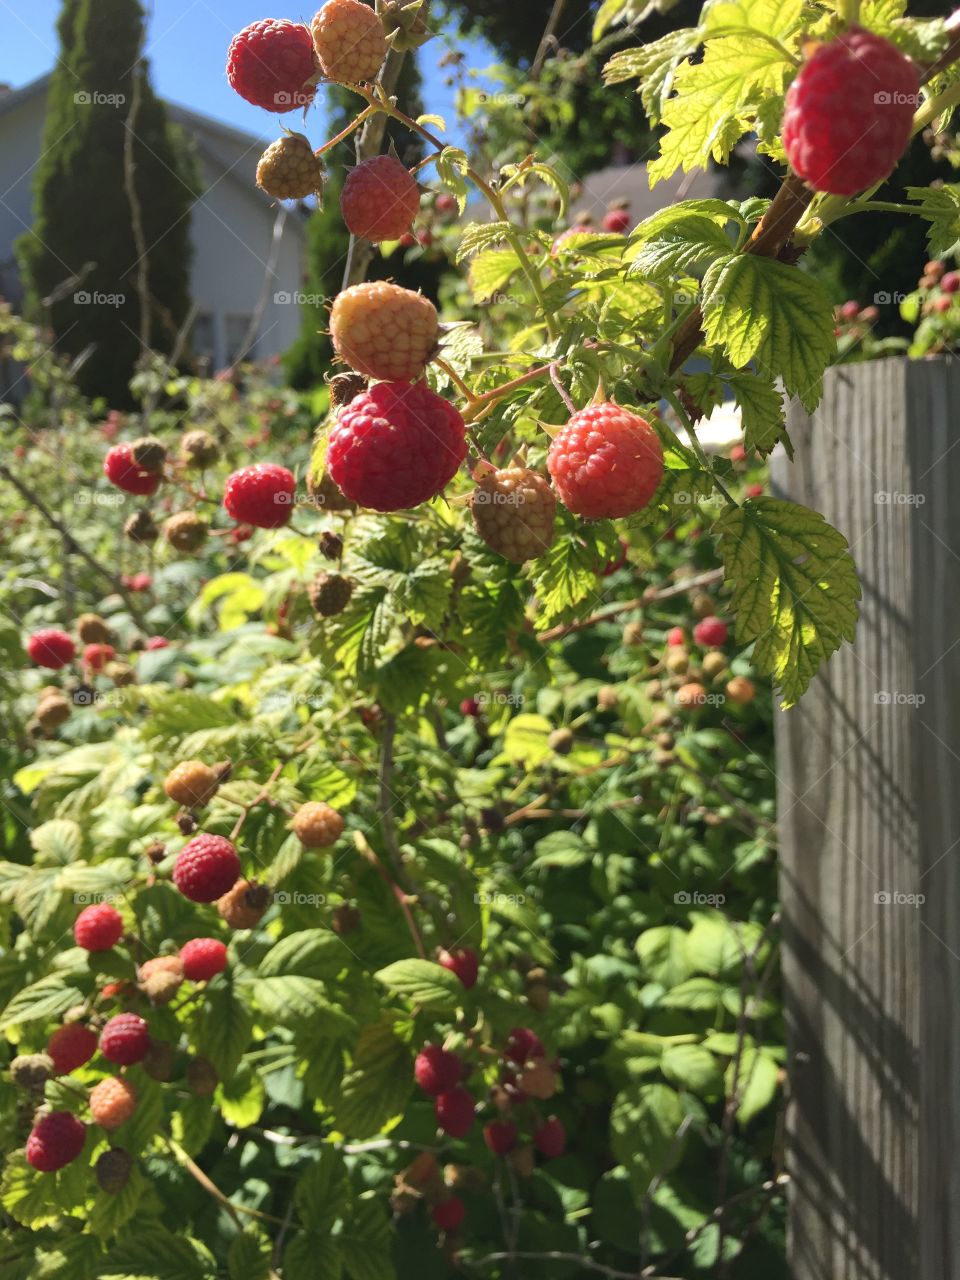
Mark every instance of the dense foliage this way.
pixel 500 983
pixel 84 265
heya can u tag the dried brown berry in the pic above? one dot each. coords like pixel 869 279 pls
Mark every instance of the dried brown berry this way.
pixel 199 449
pixel 202 1078
pixel 330 594
pixel 113 1169
pixel 141 527
pixel 31 1070
pixel 92 629
pixel 149 453
pixel 186 531
pixel 245 905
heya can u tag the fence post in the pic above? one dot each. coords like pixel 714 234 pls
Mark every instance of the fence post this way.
pixel 869 799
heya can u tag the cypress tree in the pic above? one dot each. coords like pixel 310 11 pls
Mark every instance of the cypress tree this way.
pixel 83 223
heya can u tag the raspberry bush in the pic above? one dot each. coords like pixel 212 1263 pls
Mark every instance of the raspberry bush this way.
pixel 386 867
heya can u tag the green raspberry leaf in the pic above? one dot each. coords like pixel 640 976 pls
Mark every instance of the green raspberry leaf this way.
pixel 424 983
pixel 941 207
pixel 781 318
pixel 654 65
pixel 795 588
pixel 686 241
pixel 761 410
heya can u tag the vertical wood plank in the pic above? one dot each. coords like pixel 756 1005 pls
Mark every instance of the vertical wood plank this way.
pixel 869 796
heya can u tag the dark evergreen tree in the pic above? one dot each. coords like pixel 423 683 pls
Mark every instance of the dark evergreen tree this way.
pixel 83 223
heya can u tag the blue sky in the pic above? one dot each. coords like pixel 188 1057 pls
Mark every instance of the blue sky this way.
pixel 187 47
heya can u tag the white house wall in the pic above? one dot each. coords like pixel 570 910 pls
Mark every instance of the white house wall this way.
pixel 231 226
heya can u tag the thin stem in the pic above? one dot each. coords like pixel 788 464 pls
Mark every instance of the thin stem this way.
pixel 510 234
pixel 702 458
pixel 457 381
pixel 213 1190
pixel 345 133
pixel 561 389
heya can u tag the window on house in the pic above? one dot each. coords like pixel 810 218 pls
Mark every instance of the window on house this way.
pixel 237 329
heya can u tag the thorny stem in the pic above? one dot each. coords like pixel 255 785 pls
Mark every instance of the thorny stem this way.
pixel 213 1190
pixel 457 381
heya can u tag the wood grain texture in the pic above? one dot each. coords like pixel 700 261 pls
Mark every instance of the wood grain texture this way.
pixel 869 797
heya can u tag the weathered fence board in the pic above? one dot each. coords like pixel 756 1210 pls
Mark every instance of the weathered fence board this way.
pixel 869 794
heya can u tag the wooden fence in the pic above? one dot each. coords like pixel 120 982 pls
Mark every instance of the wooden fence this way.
pixel 869 797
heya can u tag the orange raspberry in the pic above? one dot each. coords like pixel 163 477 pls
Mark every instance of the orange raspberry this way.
pixel 112 1102
pixel 350 41
pixel 384 331
pixel 191 784
pixel 317 826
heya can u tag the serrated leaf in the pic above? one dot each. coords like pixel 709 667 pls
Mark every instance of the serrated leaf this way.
pixel 424 983
pixel 654 66
pixel 377 1088
pixel 111 1210
pixel 753 1080
pixel 366 1241
pixel 678 246
pixel 491 271
pixel 58 841
pixel 248 1257
pixel 310 1257
pixel 241 1098
pixel 663 953
pixel 761 412
pixel 795 588
pixel 567 573
pixel 292 998
pixel 644 1124
pixel 321 1192
pixel 480 235
pixel 154 1253
pixel 689 1066
pixel 40 1000
pixel 224 1028
pixel 941 207
pixel 704 117
pixel 781 318
pixel 313 953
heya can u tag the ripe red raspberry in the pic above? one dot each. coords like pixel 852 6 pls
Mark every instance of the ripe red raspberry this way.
pixel 261 495
pixel 206 868
pixel 71 1046
pixel 112 1102
pixel 396 446
pixel 522 1045
pixel 950 282
pixel 551 1138
pixel 676 637
pixel 51 648
pixel 464 962
pixel 289 170
pixel 384 331
pixel 849 113
pixel 606 462
pixel 446 204
pixel 617 221
pixel 96 656
pixel 500 1136
pixel 711 633
pixel 55 1141
pixel 471 708
pixel 514 512
pixel 270 62
pixel 316 825
pixel 449 1214
pixel 350 41
pixel 455 1112
pixel 437 1070
pixel 98 928
pixel 125 1039
pixel 754 491
pixel 380 199
pixel 157 642
pixel 203 958
pixel 120 468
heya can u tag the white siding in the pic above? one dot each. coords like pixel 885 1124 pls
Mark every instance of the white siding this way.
pixel 231 224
